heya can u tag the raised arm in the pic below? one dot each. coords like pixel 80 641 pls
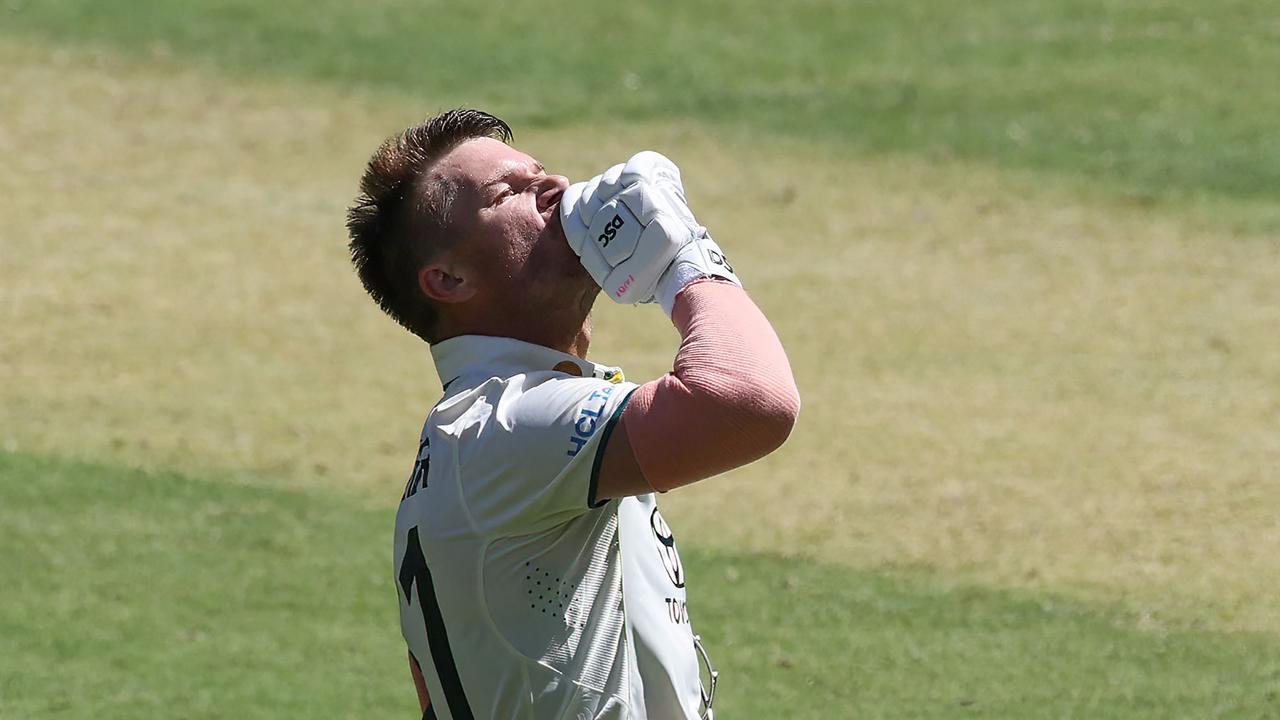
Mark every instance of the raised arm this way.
pixel 729 400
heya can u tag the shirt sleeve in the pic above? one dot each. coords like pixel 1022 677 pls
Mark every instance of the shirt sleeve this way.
pixel 535 463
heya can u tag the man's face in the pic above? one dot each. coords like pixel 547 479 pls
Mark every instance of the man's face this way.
pixel 506 214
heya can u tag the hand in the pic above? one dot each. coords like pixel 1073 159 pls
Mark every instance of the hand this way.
pixel 634 233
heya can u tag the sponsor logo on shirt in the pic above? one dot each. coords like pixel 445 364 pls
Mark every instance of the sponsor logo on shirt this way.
pixel 666 541
pixel 588 420
pixel 418 478
pixel 678 611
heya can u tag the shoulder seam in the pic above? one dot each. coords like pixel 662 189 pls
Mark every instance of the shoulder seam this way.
pixel 457 471
pixel 462 495
pixel 593 485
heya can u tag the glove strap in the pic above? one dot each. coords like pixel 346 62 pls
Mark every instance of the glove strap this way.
pixel 700 258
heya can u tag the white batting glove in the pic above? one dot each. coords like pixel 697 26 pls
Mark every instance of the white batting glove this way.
pixel 634 233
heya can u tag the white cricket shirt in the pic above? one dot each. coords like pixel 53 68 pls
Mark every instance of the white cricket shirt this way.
pixel 521 594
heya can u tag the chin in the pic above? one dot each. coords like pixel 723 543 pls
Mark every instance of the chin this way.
pixel 555 271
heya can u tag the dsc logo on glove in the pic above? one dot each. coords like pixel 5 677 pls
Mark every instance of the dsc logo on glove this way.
pixel 719 259
pixel 610 231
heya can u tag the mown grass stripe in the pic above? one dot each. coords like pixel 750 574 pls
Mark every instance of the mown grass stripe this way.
pixel 1131 93
pixel 155 595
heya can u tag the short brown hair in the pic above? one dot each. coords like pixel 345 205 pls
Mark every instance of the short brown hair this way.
pixel 396 225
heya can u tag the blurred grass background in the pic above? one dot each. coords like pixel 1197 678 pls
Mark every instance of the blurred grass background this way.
pixel 1025 258
pixel 1159 97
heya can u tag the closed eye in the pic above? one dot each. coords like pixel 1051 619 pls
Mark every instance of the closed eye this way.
pixel 516 182
pixel 506 192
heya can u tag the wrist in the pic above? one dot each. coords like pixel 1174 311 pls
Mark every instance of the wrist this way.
pixel 677 277
pixel 698 260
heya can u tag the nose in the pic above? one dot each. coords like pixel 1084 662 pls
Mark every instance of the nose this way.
pixel 550 188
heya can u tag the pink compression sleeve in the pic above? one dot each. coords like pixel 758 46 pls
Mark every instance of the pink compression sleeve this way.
pixel 730 399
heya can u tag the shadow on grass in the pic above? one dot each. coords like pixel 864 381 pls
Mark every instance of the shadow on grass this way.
pixel 137 595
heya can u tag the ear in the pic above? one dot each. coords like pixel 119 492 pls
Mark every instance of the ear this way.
pixel 444 283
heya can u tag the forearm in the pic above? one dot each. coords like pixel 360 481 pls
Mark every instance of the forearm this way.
pixel 729 400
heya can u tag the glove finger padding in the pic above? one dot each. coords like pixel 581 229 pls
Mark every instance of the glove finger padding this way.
pixel 662 178
pixel 582 201
pixel 575 228
pixel 611 182
pixel 597 267
pixel 577 207
pixel 643 200
pixel 654 167
pixel 596 193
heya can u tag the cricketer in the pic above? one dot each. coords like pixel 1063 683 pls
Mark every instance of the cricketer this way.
pixel 537 578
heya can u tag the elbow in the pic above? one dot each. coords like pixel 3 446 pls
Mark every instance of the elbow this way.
pixel 688 432
pixel 763 417
pixel 776 418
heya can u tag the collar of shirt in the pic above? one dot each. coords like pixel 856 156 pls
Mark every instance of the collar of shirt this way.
pixel 502 356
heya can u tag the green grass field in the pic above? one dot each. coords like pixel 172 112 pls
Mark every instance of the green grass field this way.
pixel 159 595
pixel 1025 258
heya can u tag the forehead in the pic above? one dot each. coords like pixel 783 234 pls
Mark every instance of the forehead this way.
pixel 475 162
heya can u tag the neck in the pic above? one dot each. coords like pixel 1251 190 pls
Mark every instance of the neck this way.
pixel 568 330
pixel 581 341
